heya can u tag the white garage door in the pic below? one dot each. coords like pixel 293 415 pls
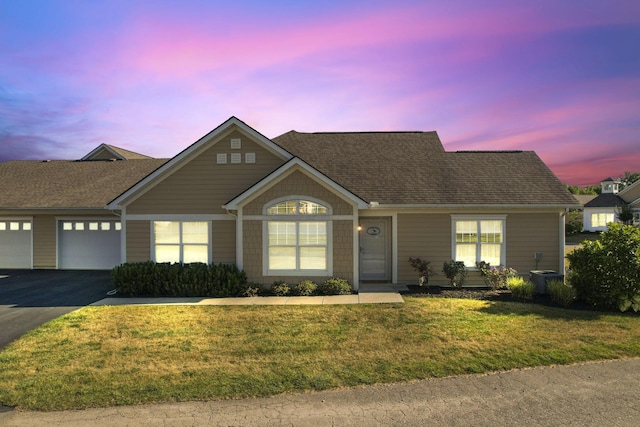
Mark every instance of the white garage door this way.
pixel 15 243
pixel 88 244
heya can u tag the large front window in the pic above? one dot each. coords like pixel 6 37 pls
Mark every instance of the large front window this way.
pixel 601 219
pixel 181 241
pixel 297 241
pixel 478 240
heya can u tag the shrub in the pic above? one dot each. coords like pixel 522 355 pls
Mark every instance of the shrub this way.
pixel 606 272
pixel 252 290
pixel 560 293
pixel 456 272
pixel 334 286
pixel 520 289
pixel 304 288
pixel 178 280
pixel 495 277
pixel 280 288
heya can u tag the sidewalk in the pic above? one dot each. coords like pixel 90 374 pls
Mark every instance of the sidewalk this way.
pixel 590 394
pixel 377 293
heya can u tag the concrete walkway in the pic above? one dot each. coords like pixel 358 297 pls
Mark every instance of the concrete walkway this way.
pixel 591 394
pixel 376 293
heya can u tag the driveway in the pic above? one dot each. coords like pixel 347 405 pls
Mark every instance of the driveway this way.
pixel 29 298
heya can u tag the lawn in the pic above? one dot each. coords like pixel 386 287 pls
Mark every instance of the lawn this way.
pixel 104 356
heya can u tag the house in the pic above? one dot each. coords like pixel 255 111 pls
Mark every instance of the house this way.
pixel 631 196
pixel 602 209
pixel 354 205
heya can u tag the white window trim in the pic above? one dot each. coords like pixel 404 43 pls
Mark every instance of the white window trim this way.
pixel 152 244
pixel 297 218
pixel 470 217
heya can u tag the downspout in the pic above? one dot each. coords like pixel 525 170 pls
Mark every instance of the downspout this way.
pixel 562 241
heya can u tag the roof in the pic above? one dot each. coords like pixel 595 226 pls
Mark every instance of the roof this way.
pixel 604 200
pixel 106 151
pixel 34 184
pixel 412 168
pixel 583 199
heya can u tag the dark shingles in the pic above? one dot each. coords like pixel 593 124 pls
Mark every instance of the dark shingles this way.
pixel 413 168
pixel 604 200
pixel 69 184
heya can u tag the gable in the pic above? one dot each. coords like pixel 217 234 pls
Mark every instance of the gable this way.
pixel 110 152
pixel 631 194
pixel 193 151
pixel 298 184
pixel 201 184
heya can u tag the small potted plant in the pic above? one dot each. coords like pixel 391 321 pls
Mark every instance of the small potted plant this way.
pixel 421 266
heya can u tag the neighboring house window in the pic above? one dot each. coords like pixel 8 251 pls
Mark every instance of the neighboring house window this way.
pixel 601 219
pixel 181 241
pixel 476 240
pixel 297 243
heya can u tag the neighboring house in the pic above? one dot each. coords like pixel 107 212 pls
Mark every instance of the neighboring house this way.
pixel 602 209
pixel 631 196
pixel 302 205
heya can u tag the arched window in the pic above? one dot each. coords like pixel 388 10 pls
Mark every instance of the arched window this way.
pixel 296 242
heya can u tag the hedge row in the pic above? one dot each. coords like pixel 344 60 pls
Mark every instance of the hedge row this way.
pixel 179 280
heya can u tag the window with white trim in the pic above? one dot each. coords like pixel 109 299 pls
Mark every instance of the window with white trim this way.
pixel 601 219
pixel 181 241
pixel 476 240
pixel 296 243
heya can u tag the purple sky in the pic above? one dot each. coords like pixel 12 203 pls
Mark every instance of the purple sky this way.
pixel 561 77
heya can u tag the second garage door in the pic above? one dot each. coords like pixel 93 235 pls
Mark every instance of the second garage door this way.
pixel 88 244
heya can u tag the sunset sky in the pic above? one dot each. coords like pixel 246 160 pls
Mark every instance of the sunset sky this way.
pixel 560 77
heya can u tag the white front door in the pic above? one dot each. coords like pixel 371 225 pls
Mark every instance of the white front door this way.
pixel 375 244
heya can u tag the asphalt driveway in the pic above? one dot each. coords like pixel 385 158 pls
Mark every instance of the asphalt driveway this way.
pixel 29 298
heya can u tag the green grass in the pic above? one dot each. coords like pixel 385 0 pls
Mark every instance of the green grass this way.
pixel 104 356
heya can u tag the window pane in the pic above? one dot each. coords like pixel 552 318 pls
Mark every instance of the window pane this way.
pixel 26 226
pixel 311 208
pixel 3 226
pixel 282 233
pixel 166 232
pixel 167 253
pixel 491 231
pixel 282 258
pixel 466 253
pixel 67 226
pixel 14 226
pixel 105 226
pixel 93 226
pixel 313 258
pixel 313 233
pixel 283 208
pixel 118 226
pixel 195 253
pixel 490 253
pixel 466 231
pixel 79 226
pixel 195 232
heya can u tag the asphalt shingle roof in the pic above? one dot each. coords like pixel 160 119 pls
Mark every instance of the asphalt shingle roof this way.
pixel 604 200
pixel 413 168
pixel 68 184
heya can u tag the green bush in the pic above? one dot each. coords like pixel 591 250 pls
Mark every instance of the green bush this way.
pixel 304 288
pixel 334 286
pixel 456 272
pixel 178 280
pixel 606 272
pixel 252 290
pixel 560 293
pixel 495 277
pixel 280 288
pixel 520 289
